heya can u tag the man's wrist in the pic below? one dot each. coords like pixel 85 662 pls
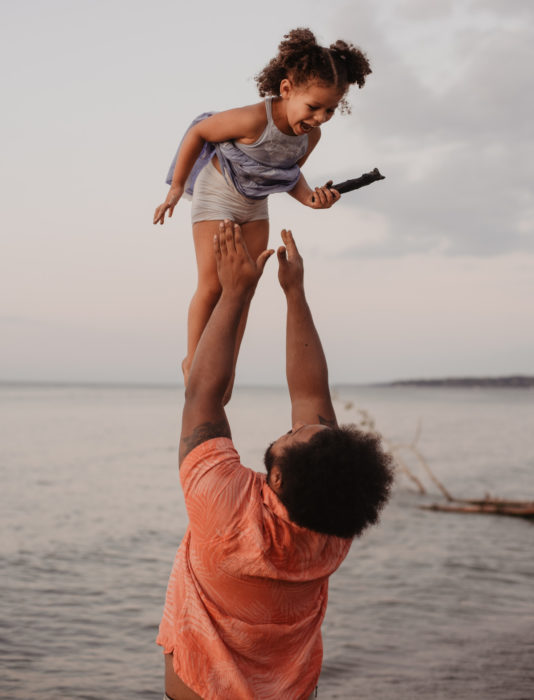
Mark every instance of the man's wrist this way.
pixel 295 293
pixel 236 297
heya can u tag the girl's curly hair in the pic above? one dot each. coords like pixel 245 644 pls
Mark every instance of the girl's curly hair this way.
pixel 301 59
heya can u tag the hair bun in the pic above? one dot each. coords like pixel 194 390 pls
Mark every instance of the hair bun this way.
pixel 354 60
pixel 297 41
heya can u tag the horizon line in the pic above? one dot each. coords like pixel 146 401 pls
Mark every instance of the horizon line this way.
pixel 246 385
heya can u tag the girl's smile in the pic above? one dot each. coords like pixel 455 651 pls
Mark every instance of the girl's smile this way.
pixel 307 106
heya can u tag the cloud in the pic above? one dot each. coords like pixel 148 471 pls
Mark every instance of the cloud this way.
pixel 458 153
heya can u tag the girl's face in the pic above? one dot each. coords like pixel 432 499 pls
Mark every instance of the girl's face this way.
pixel 308 106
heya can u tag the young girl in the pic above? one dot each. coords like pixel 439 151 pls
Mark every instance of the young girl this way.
pixel 231 161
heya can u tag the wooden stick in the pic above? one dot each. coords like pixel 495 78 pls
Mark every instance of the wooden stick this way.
pixel 356 182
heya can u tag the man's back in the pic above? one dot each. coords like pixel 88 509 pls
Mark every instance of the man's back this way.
pixel 248 590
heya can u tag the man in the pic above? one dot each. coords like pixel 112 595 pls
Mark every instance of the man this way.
pixel 248 589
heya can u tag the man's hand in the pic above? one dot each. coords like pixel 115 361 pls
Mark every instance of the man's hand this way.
pixel 290 266
pixel 168 205
pixel 306 369
pixel 238 273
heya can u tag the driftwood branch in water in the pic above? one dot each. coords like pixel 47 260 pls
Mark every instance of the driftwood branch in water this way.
pixel 412 446
pixel 401 464
pixel 520 509
pixel 489 505
pixel 367 422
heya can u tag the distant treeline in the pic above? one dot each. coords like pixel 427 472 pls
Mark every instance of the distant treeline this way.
pixel 516 381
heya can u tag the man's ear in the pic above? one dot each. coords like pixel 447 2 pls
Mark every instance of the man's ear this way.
pixel 275 479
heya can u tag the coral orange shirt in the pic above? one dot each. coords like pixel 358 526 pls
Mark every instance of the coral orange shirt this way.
pixel 248 589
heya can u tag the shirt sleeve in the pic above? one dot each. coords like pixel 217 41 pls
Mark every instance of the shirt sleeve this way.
pixel 217 488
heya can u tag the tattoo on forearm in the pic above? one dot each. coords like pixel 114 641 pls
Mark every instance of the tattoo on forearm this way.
pixel 325 421
pixel 203 432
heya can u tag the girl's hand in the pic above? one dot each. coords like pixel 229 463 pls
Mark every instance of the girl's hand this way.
pixel 168 205
pixel 324 197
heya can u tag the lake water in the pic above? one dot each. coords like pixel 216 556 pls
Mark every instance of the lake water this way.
pixel 427 605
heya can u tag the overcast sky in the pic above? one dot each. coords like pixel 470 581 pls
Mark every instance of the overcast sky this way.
pixel 427 273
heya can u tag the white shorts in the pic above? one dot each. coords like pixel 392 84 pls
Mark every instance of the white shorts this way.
pixel 215 199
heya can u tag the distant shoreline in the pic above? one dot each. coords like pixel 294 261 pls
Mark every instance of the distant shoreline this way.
pixel 517 381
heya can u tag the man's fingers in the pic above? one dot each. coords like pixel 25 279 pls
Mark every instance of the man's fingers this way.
pixel 229 228
pixel 286 236
pixel 290 244
pixel 239 241
pixel 262 259
pixel 281 253
pixel 222 238
pixel 217 247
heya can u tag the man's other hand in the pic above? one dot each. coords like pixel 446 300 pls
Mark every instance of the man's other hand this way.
pixel 237 272
pixel 290 265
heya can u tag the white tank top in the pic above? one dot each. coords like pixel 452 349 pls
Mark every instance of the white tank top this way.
pixel 274 147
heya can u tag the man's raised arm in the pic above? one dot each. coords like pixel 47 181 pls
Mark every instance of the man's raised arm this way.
pixel 306 368
pixel 203 415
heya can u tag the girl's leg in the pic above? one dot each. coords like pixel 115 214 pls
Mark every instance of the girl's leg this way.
pixel 256 236
pixel 208 289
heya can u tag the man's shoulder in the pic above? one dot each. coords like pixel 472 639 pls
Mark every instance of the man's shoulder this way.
pixel 214 480
pixel 201 433
pixel 214 464
pixel 211 450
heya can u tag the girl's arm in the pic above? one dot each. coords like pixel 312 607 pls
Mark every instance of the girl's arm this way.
pixel 320 197
pixel 313 140
pixel 244 124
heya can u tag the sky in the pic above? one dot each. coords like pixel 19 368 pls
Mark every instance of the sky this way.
pixel 428 273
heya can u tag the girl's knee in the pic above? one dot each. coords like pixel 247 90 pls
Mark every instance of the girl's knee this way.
pixel 209 290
